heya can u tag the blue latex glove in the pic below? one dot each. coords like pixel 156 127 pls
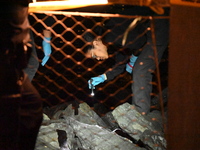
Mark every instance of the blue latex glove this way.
pixel 96 81
pixel 130 64
pixel 47 49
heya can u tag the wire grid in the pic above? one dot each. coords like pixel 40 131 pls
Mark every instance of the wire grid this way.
pixel 66 73
pixel 65 76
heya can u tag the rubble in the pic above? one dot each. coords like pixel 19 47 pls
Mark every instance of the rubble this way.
pixel 81 128
pixel 140 127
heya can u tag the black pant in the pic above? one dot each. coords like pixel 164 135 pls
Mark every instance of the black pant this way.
pixel 145 65
pixel 20 119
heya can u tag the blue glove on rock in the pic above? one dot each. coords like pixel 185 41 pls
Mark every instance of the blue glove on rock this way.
pixel 96 80
pixel 130 64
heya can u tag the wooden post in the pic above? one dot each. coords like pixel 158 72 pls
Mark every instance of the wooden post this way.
pixel 183 129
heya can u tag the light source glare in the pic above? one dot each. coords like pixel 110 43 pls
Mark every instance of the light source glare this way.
pixel 66 4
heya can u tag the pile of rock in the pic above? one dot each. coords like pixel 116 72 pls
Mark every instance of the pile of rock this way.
pixel 81 128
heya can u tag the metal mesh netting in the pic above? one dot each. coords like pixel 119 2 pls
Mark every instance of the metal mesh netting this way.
pixel 65 76
pixel 66 73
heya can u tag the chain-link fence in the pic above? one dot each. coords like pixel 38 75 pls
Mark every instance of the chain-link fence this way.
pixel 66 73
pixel 65 76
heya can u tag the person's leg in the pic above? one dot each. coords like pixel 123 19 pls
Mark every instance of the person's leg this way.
pixel 20 117
pixel 9 123
pixel 30 115
pixel 142 78
pixel 145 65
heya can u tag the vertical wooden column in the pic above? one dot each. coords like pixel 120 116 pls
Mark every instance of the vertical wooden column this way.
pixel 183 127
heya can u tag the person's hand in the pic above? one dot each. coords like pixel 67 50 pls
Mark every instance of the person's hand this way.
pixel 130 64
pixel 96 80
pixel 129 67
pixel 47 50
pixel 46 46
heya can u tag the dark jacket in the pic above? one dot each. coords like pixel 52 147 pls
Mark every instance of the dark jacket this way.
pixel 117 27
pixel 119 67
